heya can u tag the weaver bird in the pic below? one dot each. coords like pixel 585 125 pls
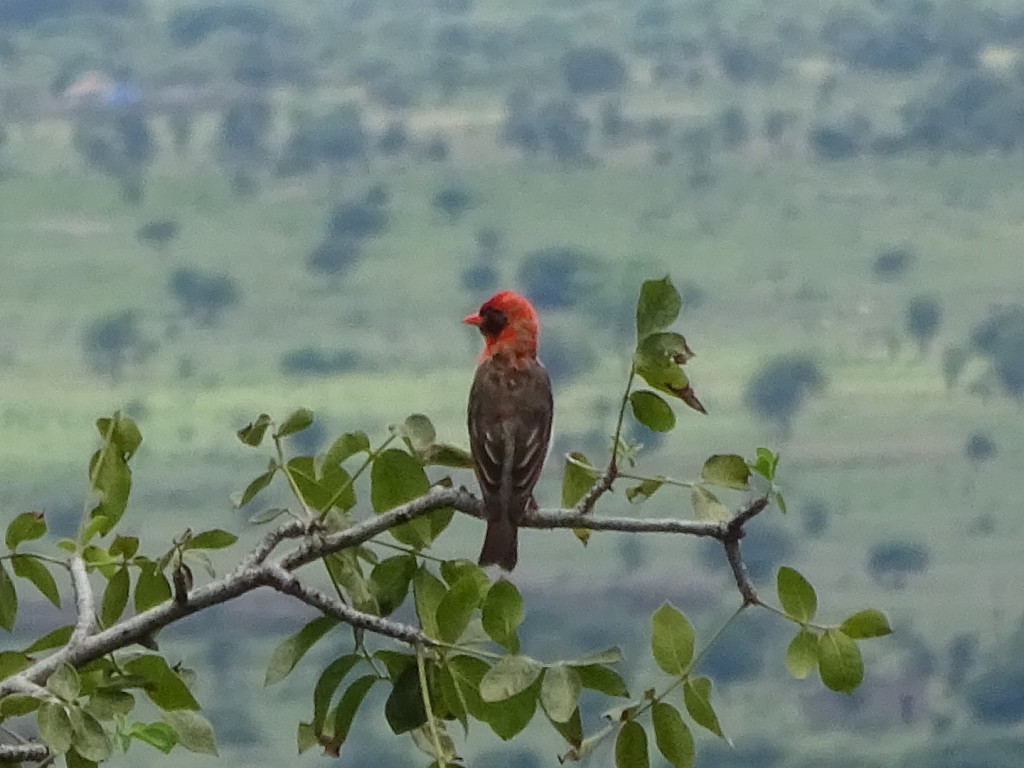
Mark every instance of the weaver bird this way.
pixel 509 420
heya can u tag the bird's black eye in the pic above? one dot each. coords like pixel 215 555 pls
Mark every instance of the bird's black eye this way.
pixel 492 321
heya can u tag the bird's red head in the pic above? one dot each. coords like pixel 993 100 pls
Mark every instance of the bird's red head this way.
pixel 508 323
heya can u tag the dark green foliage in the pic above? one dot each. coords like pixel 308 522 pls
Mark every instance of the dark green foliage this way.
pixel 593 69
pixel 244 132
pixel 357 220
pixel 558 277
pixel 394 139
pixel 203 296
pixel 158 233
pixel 873 42
pixel 980 447
pixel 923 317
pixel 480 277
pixel 891 563
pixel 814 516
pixel 118 143
pixel 732 127
pixel 892 263
pixel 187 27
pixel 310 361
pixel 453 201
pixel 114 342
pixel 1000 340
pixel 27 12
pixel 337 138
pixel 782 386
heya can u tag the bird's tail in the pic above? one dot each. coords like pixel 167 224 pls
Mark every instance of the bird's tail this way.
pixel 501 544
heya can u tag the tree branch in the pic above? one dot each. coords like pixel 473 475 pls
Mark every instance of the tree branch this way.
pixel 287 583
pixel 30 752
pixel 84 602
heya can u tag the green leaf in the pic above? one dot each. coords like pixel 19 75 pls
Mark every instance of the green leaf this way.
pixel 576 480
pixel 195 733
pixel 509 676
pixel 571 730
pixel 267 515
pixel 106 704
pixel 765 464
pixel 115 597
pixel 389 581
pixel 839 662
pixel 502 613
pixel 159 735
pixel 631 746
pixel 54 726
pixel 404 708
pixel 326 685
pixel 395 478
pixel 779 501
pixel 802 654
pixel 447 455
pixel 25 527
pixel 560 692
pixel 151 588
pixel 796 595
pixel 12 662
pixel 644 490
pixel 257 485
pixel 213 539
pixel 697 696
pixel 162 684
pixel 345 570
pixel 707 507
pixel 456 608
pixel 124 546
pixel 726 470
pixel 419 432
pixel 427 591
pixel 600 678
pixel 337 485
pixel 54 639
pixel 252 434
pixel 658 360
pixel 349 444
pixel 16 705
pixel 652 411
pixel 508 717
pixel 672 735
pixel 89 738
pixel 64 683
pixel 124 437
pixel 866 624
pixel 342 715
pixel 297 422
pixel 671 639
pixel 457 570
pixel 466 673
pixel 31 568
pixel 8 599
pixel 289 651
pixel 610 655
pixel 657 308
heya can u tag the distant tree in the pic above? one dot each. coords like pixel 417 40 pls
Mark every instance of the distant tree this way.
pixel 567 357
pixel 242 143
pixel 488 242
pixel 480 277
pixel 337 139
pixel 833 142
pixel 891 563
pixel 334 256
pixel 437 149
pixel 593 69
pixel 310 361
pixel 557 277
pixel 922 317
pixel 743 62
pixel 777 124
pixel 563 130
pixel 453 201
pixel 114 342
pixel 962 657
pixel 954 360
pixel 732 127
pixel 454 7
pixel 117 143
pixel 159 233
pixel 357 219
pixel 203 296
pixel 394 139
pixel 1000 340
pixel 892 263
pixel 615 127
pixel 814 516
pixel 180 124
pixel 519 125
pixel 781 387
pixel 188 26
pixel 979 448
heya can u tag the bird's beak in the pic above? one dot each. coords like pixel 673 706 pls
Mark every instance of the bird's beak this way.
pixel 471 320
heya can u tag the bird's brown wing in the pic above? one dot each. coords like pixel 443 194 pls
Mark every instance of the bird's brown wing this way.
pixel 509 431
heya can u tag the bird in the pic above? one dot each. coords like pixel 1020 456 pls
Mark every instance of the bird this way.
pixel 509 419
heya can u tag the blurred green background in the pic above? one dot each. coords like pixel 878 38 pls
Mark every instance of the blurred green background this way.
pixel 209 210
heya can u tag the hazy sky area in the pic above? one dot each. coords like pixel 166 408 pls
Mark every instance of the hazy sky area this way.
pixel 210 211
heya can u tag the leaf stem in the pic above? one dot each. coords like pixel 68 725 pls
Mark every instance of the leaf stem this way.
pixel 435 738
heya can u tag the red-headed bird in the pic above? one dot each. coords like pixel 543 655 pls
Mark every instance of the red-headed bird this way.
pixel 509 420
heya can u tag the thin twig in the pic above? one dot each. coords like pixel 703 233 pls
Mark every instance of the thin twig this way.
pixel 84 602
pixel 277 577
